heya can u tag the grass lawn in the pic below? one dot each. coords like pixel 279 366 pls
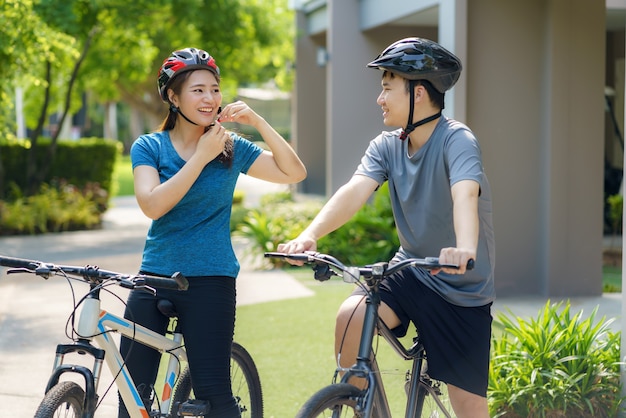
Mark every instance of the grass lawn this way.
pixel 292 344
pixel 612 278
pixel 292 341
pixel 123 177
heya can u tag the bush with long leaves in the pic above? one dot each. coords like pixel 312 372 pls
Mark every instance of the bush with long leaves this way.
pixel 555 365
pixel 369 236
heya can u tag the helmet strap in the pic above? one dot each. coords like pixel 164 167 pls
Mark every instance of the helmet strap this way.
pixel 175 109
pixel 410 127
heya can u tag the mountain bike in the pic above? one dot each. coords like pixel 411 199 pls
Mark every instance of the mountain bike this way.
pixel 342 399
pixel 92 332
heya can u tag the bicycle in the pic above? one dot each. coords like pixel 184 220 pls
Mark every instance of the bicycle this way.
pixel 342 399
pixel 69 399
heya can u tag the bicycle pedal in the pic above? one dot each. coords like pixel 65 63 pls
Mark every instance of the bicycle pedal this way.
pixel 194 408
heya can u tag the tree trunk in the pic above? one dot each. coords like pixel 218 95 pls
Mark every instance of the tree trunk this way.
pixel 36 175
pixel 1 176
pixel 31 163
pixel 110 120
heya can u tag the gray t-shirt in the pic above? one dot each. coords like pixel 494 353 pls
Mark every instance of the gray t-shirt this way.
pixel 419 188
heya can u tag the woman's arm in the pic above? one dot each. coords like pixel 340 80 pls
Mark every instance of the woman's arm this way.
pixel 279 165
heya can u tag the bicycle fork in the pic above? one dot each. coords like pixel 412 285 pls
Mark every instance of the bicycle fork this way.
pixel 86 326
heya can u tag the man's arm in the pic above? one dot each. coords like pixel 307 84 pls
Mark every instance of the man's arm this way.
pixel 466 226
pixel 337 211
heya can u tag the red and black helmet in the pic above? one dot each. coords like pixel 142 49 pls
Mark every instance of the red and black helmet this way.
pixel 184 60
pixel 420 59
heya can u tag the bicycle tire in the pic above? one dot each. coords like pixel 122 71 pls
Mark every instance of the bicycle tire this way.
pixel 338 400
pixel 245 379
pixel 64 399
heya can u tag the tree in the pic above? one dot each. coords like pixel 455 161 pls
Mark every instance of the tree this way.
pixel 112 49
pixel 252 41
pixel 83 21
pixel 25 41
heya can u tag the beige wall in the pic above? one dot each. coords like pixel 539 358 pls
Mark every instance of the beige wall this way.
pixel 535 101
pixel 308 112
pixel 534 98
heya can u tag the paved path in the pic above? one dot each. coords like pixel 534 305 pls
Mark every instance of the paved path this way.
pixel 33 312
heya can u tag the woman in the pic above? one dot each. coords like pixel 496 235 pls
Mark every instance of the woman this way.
pixel 184 176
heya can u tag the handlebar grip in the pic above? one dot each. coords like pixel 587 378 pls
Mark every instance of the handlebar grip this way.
pixel 176 282
pixel 18 263
pixel 296 256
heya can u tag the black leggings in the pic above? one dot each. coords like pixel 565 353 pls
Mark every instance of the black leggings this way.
pixel 207 317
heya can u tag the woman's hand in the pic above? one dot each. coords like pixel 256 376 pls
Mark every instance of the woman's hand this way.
pixel 212 142
pixel 239 112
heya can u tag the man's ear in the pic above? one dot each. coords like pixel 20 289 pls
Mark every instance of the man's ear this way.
pixel 419 91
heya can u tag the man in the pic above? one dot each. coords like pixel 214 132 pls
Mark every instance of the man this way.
pixel 442 206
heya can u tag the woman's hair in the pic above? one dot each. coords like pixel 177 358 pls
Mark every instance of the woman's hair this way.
pixel 176 84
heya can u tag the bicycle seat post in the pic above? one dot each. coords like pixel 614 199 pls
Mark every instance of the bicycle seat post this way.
pixel 168 309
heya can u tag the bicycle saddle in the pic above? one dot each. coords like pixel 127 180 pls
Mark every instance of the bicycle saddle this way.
pixel 167 308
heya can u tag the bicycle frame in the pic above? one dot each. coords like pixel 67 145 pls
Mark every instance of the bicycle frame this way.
pixel 372 401
pixel 375 400
pixel 95 324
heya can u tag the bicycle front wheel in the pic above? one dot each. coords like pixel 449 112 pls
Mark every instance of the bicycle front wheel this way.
pixel 65 399
pixel 339 400
pixel 245 381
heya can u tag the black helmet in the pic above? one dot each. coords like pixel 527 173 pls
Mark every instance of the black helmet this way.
pixel 420 59
pixel 184 60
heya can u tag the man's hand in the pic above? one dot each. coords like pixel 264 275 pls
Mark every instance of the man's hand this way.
pixel 299 245
pixel 457 256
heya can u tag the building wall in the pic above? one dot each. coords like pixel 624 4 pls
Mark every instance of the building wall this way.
pixel 352 115
pixel 309 111
pixel 534 101
pixel 533 94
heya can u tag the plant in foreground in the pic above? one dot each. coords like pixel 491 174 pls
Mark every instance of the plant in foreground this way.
pixel 556 365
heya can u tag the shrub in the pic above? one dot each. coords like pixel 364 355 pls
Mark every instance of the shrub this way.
pixel 616 204
pixel 555 366
pixel 280 218
pixel 56 208
pixel 371 231
pixel 89 160
pixel 277 219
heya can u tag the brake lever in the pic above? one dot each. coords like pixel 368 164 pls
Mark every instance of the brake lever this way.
pixel 19 270
pixel 146 288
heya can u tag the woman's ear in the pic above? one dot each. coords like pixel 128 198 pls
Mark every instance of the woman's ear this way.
pixel 172 97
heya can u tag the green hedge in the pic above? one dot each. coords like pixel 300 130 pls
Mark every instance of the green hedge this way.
pixel 80 163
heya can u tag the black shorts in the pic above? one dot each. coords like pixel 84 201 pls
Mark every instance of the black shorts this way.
pixel 457 339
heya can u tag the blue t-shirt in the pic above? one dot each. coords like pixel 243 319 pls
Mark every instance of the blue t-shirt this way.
pixel 194 236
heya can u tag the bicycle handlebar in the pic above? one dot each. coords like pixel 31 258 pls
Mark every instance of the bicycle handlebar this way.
pixel 323 264
pixel 93 274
